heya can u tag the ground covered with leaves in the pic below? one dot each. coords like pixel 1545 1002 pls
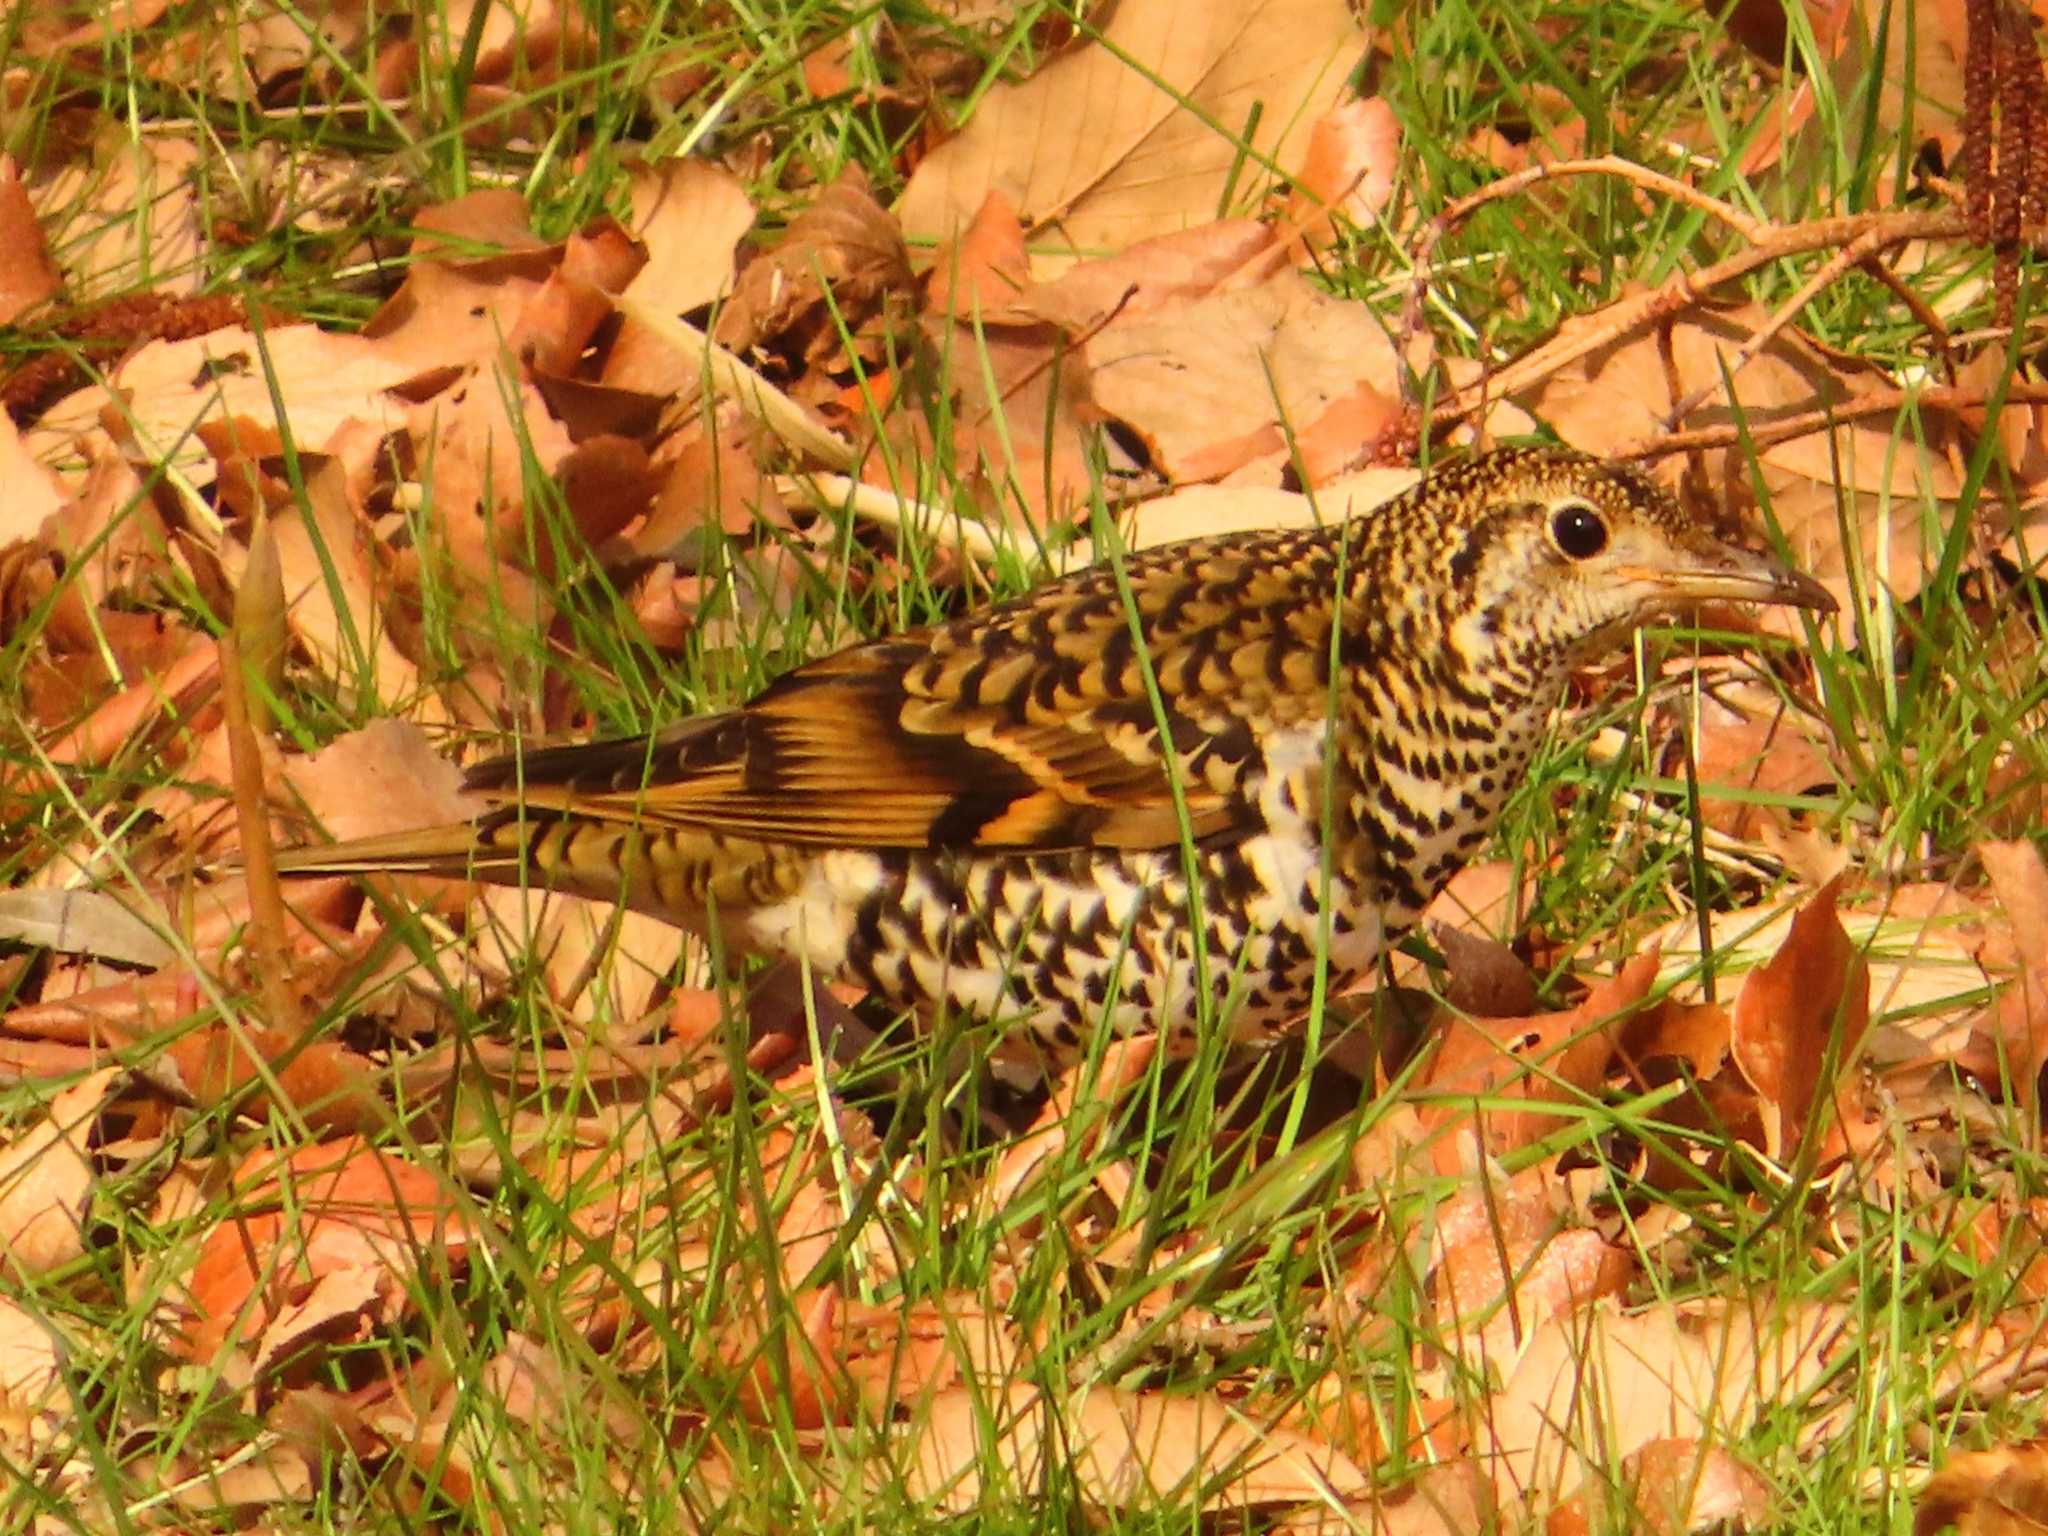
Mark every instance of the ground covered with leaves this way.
pixel 385 388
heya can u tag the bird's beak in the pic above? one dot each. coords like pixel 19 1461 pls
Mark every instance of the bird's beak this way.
pixel 1706 570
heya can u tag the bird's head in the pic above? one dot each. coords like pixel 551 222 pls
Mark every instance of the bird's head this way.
pixel 1545 557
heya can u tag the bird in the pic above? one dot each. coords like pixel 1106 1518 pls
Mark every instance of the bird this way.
pixel 1161 794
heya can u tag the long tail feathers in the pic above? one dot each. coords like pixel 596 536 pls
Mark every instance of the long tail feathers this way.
pixel 454 850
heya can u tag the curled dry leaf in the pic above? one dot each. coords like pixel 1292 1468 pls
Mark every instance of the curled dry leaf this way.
pixel 1542 1058
pixel 833 281
pixel 1999 1492
pixel 33 496
pixel 46 1180
pixel 1124 1451
pixel 2011 1042
pixel 27 275
pixel 1347 169
pixel 1508 1262
pixel 331 1239
pixel 1798 1023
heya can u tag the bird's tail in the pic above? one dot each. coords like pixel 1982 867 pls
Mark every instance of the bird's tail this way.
pixel 578 855
pixel 456 850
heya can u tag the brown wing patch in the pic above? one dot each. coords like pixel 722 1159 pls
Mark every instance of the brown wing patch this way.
pixel 840 754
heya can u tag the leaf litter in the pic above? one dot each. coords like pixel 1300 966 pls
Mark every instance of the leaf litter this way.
pixel 1087 287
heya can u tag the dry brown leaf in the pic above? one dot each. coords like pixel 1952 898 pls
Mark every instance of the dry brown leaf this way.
pixel 1508 1262
pixel 713 481
pixel 1999 1492
pixel 446 317
pixel 1483 978
pixel 2011 1043
pixel 1596 1385
pixel 27 275
pixel 1103 152
pixel 557 326
pixel 331 590
pixel 832 282
pixel 1018 399
pixel 78 922
pixel 1347 169
pixel 386 777
pixel 130 221
pixel 33 492
pixel 332 1237
pixel 1800 1016
pixel 1447 1498
pixel 1215 387
pixel 539 1391
pixel 167 388
pixel 1164 272
pixel 1747 740
pixel 1125 1450
pixel 46 1180
pixel 1542 1058
pixel 600 964
pixel 1089 1087
pixel 1667 1488
pixel 690 214
pixel 31 1375
pixel 48 30
pixel 607 481
pixel 986 268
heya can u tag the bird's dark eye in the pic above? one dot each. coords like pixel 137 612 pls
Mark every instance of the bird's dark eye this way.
pixel 1579 531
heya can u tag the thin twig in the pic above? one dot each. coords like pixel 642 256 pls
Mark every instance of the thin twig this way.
pixel 1685 289
pixel 1857 252
pixel 1876 402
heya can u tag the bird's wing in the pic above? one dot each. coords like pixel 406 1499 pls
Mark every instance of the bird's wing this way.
pixel 1027 727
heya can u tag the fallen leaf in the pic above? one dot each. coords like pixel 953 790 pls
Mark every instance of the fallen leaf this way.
pixel 1668 1488
pixel 2011 1043
pixel 1213 384
pixel 1125 1450
pixel 1799 1021
pixel 1999 1492
pixel 47 1179
pixel 1101 152
pixel 1347 169
pixel 1598 1384
pixel 27 275
pixel 333 1235
pixel 1543 1058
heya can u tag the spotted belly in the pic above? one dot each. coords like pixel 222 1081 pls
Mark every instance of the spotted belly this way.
pixel 1066 943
